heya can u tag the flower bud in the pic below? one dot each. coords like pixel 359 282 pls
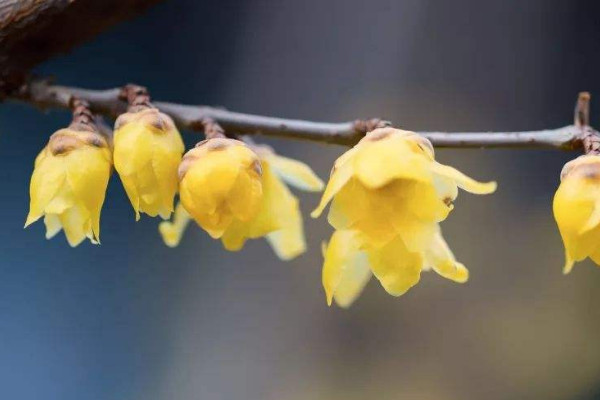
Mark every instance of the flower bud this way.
pixel 220 184
pixel 577 210
pixel 68 184
pixel 147 153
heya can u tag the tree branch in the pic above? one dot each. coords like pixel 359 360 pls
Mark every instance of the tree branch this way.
pixel 109 103
pixel 32 31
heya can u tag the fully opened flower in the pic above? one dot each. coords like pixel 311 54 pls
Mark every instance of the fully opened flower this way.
pixel 68 184
pixel 147 153
pixel 391 193
pixel 577 210
pixel 278 219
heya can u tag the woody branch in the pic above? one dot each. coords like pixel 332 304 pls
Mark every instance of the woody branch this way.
pixel 111 103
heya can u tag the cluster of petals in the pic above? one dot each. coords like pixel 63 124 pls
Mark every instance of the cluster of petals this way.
pixel 147 153
pixel 388 196
pixel 68 184
pixel 236 192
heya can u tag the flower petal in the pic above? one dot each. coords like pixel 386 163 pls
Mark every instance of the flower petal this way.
pixel 345 269
pixel 172 231
pixel 278 210
pixel 440 258
pixel 339 177
pixel 463 181
pixel 396 268
pixel 295 173
pixel 378 163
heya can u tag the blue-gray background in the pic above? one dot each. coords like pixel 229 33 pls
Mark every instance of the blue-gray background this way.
pixel 132 319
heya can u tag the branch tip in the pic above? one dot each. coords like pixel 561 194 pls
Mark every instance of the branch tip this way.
pixel 582 110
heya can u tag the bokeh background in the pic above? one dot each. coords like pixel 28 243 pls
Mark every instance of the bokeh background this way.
pixel 132 319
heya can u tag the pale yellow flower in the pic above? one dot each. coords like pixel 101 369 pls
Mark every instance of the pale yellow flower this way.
pixel 388 196
pixel 68 185
pixel 278 219
pixel 349 264
pixel 577 210
pixel 147 153
pixel 389 184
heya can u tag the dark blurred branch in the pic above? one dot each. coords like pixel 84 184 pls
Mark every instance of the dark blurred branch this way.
pixel 32 31
pixel 110 103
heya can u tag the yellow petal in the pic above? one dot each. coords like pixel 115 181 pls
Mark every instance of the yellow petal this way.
pixel 463 181
pixel 53 225
pixel 569 263
pixel 295 173
pixel 245 196
pixel 75 223
pixel 339 177
pixel 46 180
pixel 396 268
pixel 88 173
pixel 378 163
pixel 367 211
pixel 446 188
pixel 288 240
pixel 278 212
pixel 172 231
pixel 345 269
pixel 440 258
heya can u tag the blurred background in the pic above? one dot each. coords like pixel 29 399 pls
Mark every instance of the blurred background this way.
pixel 133 319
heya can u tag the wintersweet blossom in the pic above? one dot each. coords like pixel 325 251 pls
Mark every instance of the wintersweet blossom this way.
pixel 278 218
pixel 220 184
pixel 147 153
pixel 68 184
pixel 390 194
pixel 577 210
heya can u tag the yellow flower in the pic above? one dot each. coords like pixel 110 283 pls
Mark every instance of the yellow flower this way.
pixel 220 183
pixel 278 219
pixel 577 210
pixel 389 184
pixel 349 264
pixel 147 151
pixel 68 185
pixel 388 196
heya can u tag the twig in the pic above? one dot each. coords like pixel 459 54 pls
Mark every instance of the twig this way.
pixel 110 103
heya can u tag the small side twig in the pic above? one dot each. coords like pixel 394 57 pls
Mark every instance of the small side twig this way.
pixel 589 137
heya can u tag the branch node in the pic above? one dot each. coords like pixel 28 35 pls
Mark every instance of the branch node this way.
pixel 212 129
pixel 136 96
pixel 590 140
pixel 363 126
